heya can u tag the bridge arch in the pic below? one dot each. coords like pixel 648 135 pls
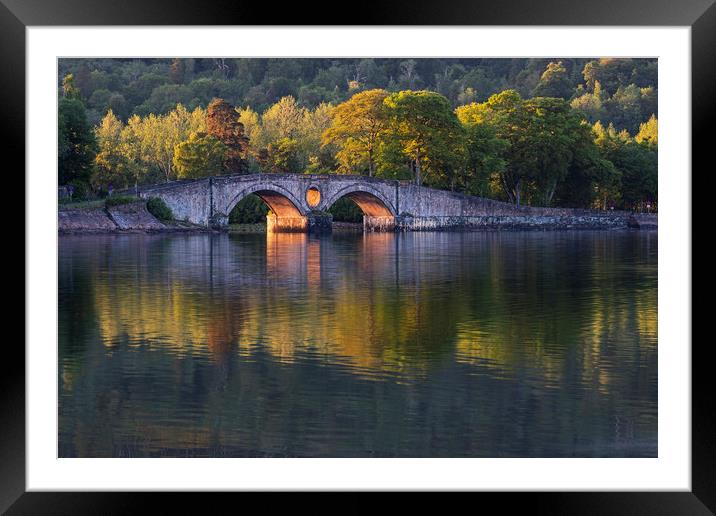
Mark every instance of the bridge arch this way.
pixel 279 200
pixel 371 201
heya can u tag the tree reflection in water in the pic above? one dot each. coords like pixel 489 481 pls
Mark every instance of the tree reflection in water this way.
pixel 433 344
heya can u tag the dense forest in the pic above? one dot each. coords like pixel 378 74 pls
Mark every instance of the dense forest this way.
pixel 562 132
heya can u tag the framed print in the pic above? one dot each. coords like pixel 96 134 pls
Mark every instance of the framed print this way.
pixel 384 256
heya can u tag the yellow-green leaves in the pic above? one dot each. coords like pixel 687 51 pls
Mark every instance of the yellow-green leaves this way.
pixel 201 155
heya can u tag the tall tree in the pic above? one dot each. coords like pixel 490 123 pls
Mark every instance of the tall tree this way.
pixel 76 142
pixel 69 90
pixel 83 79
pixel 426 127
pixel 592 180
pixel 649 132
pixel 552 134
pixel 315 122
pixel 554 82
pixel 541 133
pixel 177 70
pixel 505 112
pixel 284 156
pixel 201 155
pixel 114 164
pixel 282 120
pixel 485 151
pixel 356 126
pixel 222 122
pixel 637 164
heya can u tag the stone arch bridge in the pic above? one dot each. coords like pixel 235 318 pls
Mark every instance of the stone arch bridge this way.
pixel 300 202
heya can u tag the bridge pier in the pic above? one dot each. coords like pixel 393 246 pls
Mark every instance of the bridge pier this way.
pixel 312 223
pixel 276 224
pixel 371 224
pixel 218 221
pixel 320 224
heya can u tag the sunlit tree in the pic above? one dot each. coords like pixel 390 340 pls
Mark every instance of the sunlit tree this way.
pixel 115 163
pixel 355 128
pixel 426 128
pixel 202 155
pixel 222 122
pixel 649 132
pixel 485 151
pixel 554 82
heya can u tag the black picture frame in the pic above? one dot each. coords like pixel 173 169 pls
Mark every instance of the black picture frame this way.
pixel 16 15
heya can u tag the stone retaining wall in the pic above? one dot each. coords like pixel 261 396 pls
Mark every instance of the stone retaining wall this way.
pixel 123 217
pixel 511 222
pixel 85 220
pixel 134 216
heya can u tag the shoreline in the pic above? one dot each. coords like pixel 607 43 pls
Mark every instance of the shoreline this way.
pixel 134 218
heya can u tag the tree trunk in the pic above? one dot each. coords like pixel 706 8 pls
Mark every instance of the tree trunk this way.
pixel 509 191
pixel 418 179
pixel 370 162
pixel 517 192
pixel 550 194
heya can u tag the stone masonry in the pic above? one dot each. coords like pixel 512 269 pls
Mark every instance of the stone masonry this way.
pixel 297 200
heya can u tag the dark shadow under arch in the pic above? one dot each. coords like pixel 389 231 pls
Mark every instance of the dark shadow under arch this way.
pixel 280 201
pixel 370 204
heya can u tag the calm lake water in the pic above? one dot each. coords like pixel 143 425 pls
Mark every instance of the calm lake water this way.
pixel 514 344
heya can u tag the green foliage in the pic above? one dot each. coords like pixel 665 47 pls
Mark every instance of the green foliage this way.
pixel 69 90
pixel 485 153
pixel 649 133
pixel 592 181
pixel 202 155
pixel 283 156
pixel 555 82
pixel 157 207
pixel 222 122
pixel 177 71
pixel 261 83
pixel 113 163
pixel 356 126
pixel 345 210
pixel 76 142
pixel 119 200
pixel 474 128
pixel 81 190
pixel 423 124
pixel 637 164
pixel 249 210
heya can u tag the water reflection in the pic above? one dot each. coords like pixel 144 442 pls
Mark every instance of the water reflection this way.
pixel 432 344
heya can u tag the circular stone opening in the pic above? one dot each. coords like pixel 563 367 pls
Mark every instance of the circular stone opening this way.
pixel 313 196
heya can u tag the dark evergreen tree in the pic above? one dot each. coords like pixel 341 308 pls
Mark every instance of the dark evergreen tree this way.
pixel 76 143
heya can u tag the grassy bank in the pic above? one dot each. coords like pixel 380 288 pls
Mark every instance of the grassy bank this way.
pixel 99 203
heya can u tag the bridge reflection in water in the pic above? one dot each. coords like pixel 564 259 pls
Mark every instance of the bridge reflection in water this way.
pixel 444 326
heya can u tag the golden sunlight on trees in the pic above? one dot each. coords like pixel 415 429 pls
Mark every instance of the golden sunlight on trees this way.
pixel 201 155
pixel 649 132
pixel 129 153
pixel 576 133
pixel 223 123
pixel 427 131
pixel 356 125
